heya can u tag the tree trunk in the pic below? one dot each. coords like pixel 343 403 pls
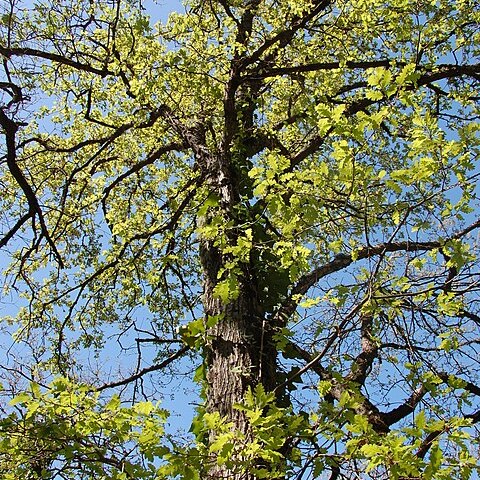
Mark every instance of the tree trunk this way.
pixel 240 353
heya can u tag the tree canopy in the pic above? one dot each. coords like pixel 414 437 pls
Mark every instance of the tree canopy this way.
pixel 273 203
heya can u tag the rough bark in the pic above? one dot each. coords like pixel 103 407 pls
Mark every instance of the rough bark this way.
pixel 239 356
pixel 240 352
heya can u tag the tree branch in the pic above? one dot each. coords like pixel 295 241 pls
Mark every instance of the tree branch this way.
pixel 138 166
pixel 314 67
pixel 54 57
pixel 343 260
pixel 10 129
pixel 362 363
pixel 399 413
pixel 283 37
pixel 8 236
pixel 144 371
pixel 365 407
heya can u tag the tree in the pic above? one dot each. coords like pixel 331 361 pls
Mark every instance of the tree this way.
pixel 282 193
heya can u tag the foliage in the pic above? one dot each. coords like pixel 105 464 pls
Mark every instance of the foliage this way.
pixel 65 432
pixel 276 199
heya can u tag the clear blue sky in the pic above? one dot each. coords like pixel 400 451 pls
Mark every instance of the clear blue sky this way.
pixel 160 9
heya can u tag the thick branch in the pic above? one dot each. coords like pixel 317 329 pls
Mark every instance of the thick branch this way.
pixel 139 165
pixel 10 130
pixel 445 70
pixel 399 413
pixel 363 362
pixel 442 72
pixel 343 260
pixel 432 436
pixel 282 38
pixel 365 407
pixel 9 235
pixel 468 386
pixel 314 67
pixel 54 57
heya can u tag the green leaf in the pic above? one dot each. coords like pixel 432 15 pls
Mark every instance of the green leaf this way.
pixel 21 399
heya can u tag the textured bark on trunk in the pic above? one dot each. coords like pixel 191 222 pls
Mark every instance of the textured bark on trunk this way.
pixel 240 352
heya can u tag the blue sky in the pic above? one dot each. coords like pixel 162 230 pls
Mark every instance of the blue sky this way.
pixel 160 9
pixel 175 400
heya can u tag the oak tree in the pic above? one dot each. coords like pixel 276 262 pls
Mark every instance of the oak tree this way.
pixel 276 199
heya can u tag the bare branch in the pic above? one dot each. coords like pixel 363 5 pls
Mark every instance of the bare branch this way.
pixel 406 408
pixel 145 370
pixel 18 224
